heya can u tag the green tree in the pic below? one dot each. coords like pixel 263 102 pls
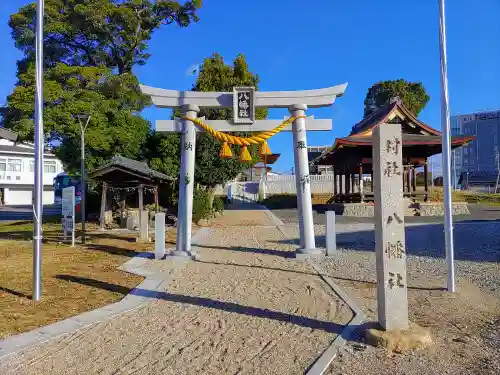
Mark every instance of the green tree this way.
pixel 113 33
pixel 162 152
pixel 90 49
pixel 215 75
pixel 412 94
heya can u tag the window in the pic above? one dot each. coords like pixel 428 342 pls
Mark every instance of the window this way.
pixel 3 165
pixel 49 166
pixel 14 165
pixel 32 166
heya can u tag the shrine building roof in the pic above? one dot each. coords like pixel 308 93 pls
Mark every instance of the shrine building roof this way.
pixel 419 139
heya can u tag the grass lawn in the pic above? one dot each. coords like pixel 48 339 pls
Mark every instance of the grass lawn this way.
pixel 437 195
pixel 64 272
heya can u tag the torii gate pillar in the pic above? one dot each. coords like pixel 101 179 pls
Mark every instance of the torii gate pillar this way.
pixel 302 182
pixel 186 183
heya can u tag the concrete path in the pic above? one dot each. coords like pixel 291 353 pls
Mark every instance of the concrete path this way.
pixel 244 306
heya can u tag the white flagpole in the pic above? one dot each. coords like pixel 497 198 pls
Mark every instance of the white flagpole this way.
pixel 39 142
pixel 446 150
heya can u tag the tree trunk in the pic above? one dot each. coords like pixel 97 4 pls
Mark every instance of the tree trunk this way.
pixel 211 196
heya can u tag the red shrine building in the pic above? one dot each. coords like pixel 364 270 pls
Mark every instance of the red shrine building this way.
pixel 351 156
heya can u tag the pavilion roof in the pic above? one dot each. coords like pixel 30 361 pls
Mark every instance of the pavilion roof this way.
pixel 122 171
pixel 419 139
pixel 408 140
pixel 388 113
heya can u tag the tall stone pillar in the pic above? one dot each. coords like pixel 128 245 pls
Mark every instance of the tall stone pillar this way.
pixel 389 227
pixel 186 183
pixel 302 181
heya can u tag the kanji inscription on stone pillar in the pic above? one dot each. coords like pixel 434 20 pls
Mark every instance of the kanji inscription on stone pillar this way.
pixel 389 227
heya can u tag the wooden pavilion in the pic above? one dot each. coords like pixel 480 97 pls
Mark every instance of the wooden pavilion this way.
pixel 351 157
pixel 124 173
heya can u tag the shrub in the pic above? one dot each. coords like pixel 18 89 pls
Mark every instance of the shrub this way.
pixel 152 207
pixel 281 201
pixel 218 204
pixel 201 204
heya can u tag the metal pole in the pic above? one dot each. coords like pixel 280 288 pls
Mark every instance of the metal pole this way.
pixel 446 148
pixel 82 174
pixel 39 141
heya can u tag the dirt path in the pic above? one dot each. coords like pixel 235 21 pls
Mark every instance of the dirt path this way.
pixel 243 307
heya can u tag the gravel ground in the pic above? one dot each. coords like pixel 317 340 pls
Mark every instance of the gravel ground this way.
pixel 476 246
pixel 465 325
pixel 243 307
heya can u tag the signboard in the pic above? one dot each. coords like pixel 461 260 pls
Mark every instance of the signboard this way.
pixel 68 213
pixel 244 105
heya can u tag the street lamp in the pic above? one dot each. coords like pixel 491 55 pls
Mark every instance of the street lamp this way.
pixel 85 118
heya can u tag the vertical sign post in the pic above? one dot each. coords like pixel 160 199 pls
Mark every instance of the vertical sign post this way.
pixel 390 252
pixel 331 233
pixel 68 213
pixel 159 235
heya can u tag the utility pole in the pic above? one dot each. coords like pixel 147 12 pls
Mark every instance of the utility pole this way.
pixel 446 148
pixel 82 170
pixel 39 142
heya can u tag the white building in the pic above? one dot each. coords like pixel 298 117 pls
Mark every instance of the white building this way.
pixel 17 171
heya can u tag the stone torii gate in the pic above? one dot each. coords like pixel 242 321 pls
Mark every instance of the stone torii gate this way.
pixel 244 100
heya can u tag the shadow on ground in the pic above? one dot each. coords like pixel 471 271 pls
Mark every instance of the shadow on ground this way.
pixel 362 283
pixel 57 235
pixel 255 250
pixel 479 243
pixel 211 303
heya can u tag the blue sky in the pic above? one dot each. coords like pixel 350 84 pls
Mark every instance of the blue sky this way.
pixel 293 46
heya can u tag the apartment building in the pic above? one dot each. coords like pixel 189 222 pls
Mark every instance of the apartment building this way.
pixel 17 171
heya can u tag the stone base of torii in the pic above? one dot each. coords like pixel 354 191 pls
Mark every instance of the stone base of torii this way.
pixel 297 102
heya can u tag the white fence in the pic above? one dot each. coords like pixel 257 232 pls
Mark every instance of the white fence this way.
pixel 285 184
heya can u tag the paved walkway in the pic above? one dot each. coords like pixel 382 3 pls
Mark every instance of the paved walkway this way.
pixel 242 307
